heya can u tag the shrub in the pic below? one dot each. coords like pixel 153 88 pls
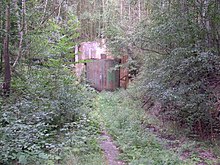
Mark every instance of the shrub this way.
pixel 49 115
pixel 185 83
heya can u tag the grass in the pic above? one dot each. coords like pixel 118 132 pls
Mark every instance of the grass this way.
pixel 89 159
pixel 88 151
pixel 123 118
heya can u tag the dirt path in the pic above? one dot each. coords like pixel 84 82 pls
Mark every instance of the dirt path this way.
pixel 110 150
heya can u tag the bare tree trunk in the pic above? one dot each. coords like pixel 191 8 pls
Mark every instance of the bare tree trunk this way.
pixel 217 39
pixel 59 11
pixel 100 20
pixel 121 9
pixel 20 31
pixel 215 30
pixel 139 9
pixel 129 11
pixel 103 14
pixel 207 23
pixel 1 36
pixel 24 21
pixel 94 21
pixel 45 10
pixel 25 26
pixel 7 74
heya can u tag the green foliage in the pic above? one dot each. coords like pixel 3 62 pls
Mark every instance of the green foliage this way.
pixel 122 119
pixel 176 46
pixel 62 36
pixel 56 41
pixel 47 114
pixel 185 84
pixel 48 117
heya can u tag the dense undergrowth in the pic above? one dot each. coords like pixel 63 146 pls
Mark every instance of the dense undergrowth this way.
pixel 45 115
pixel 185 84
pixel 46 120
pixel 126 121
pixel 176 54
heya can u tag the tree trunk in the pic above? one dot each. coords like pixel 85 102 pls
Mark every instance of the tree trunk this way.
pixel 45 12
pixel 24 21
pixel 129 11
pixel 20 24
pixel 1 36
pixel 139 10
pixel 121 10
pixel 7 73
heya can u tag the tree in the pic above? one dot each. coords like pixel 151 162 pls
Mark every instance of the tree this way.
pixel 176 43
pixel 1 34
pixel 7 70
pixel 22 27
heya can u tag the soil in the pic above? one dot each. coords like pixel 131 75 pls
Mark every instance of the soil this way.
pixel 110 150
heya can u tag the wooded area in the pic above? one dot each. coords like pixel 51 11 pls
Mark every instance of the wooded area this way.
pixel 173 49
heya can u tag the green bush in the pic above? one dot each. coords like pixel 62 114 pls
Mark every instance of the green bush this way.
pixel 184 83
pixel 46 115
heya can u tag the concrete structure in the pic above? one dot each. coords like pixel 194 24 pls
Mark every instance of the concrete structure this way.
pixel 93 60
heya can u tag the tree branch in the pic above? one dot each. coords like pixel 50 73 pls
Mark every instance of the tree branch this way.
pixel 43 21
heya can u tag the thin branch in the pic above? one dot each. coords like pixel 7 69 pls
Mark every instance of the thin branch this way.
pixel 149 50
pixel 45 9
pixel 51 13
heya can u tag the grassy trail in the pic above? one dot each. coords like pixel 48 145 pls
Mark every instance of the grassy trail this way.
pixel 124 120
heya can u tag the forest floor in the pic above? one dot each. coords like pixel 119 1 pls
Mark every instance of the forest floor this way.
pixel 133 137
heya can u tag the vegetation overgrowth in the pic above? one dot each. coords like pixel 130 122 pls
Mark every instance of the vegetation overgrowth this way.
pixel 46 120
pixel 173 49
pixel 130 127
pixel 45 110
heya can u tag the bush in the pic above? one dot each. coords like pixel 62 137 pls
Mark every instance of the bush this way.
pixel 46 114
pixel 185 83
